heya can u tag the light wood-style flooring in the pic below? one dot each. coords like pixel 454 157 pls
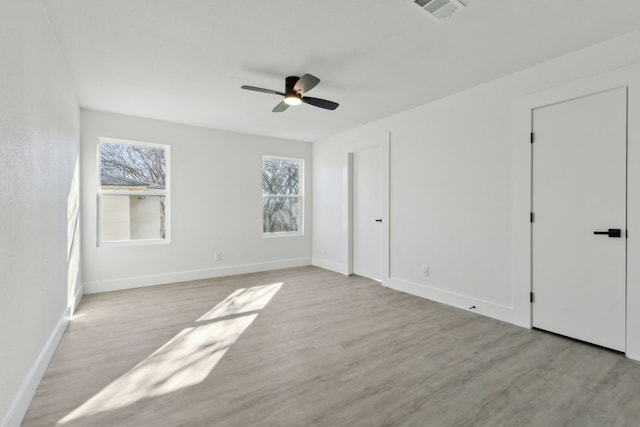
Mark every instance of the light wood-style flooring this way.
pixel 308 347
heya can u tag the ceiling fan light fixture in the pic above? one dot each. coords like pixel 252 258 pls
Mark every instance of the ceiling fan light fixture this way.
pixel 292 100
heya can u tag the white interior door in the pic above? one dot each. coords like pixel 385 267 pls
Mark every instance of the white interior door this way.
pixel 368 217
pixel 578 188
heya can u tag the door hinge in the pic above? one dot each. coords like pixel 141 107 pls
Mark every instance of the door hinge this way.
pixel 533 137
pixel 531 217
pixel 531 296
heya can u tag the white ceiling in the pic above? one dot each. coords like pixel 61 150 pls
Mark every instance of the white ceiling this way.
pixel 185 60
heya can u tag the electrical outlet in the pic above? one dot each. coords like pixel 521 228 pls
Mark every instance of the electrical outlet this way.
pixel 218 256
pixel 425 271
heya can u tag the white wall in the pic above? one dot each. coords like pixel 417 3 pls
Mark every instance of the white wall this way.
pixel 216 204
pixel 453 194
pixel 39 129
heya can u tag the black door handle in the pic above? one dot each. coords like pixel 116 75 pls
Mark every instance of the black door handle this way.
pixel 612 232
pixel 379 220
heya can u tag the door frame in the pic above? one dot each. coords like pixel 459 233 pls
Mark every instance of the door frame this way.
pixel 384 146
pixel 521 189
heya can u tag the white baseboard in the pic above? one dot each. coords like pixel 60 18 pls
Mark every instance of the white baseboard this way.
pixel 328 265
pixel 633 356
pixel 25 394
pixel 185 276
pixel 486 308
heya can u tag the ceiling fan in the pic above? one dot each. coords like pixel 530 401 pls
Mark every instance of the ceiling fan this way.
pixel 295 87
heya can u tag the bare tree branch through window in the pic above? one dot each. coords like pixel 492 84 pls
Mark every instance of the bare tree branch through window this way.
pixel 281 195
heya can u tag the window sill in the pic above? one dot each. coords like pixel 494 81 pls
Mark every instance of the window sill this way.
pixel 124 243
pixel 283 234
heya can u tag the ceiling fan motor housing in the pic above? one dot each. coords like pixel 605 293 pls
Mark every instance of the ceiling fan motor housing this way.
pixel 290 83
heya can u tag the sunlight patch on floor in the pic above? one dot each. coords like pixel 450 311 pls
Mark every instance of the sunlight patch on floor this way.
pixel 243 301
pixel 185 360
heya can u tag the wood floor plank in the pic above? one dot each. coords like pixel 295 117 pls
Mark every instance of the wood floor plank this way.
pixel 325 350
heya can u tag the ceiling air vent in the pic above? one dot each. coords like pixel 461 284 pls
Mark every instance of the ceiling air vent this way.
pixel 440 9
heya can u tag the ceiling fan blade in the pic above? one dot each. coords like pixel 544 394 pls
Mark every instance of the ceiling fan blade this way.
pixel 322 103
pixel 306 83
pixel 259 89
pixel 280 107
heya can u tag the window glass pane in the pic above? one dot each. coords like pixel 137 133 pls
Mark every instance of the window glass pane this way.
pixel 280 176
pixel 132 217
pixel 133 191
pixel 281 214
pixel 282 195
pixel 127 166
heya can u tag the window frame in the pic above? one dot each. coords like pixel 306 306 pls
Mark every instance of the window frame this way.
pixel 300 197
pixel 166 193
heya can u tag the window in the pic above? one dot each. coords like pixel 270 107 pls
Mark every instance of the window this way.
pixel 133 193
pixel 282 189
